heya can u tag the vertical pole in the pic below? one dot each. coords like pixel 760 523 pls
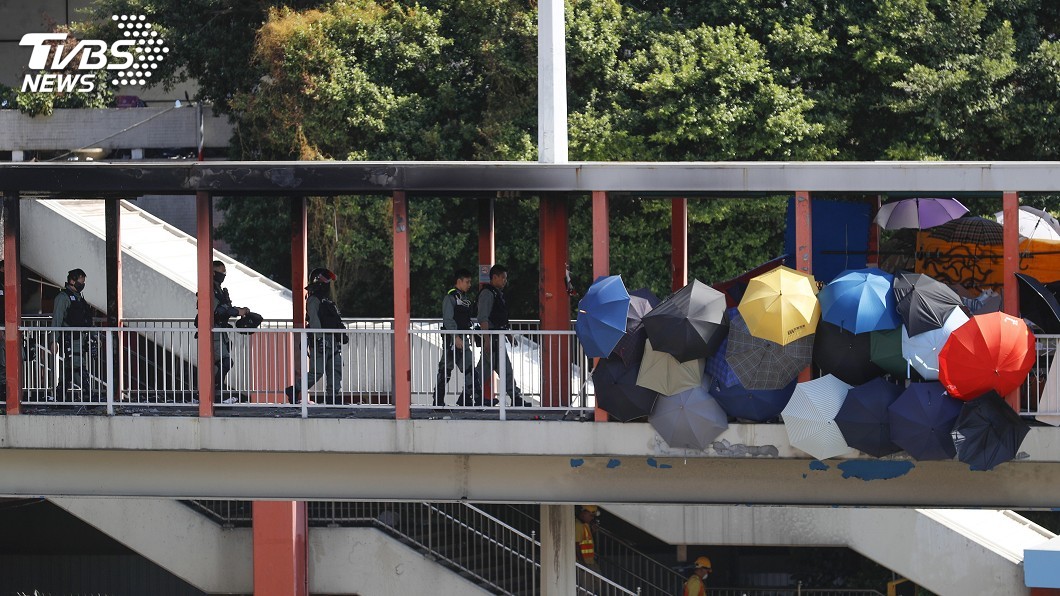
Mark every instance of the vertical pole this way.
pixel 601 256
pixel 803 244
pixel 551 83
pixel 12 303
pixel 1010 203
pixel 112 218
pixel 554 301
pixel 402 309
pixel 487 257
pixel 204 262
pixel 873 257
pixel 678 243
pixel 557 551
pixel 299 270
pixel 281 550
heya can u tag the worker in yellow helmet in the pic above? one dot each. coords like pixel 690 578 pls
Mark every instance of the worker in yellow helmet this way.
pixel 584 536
pixel 695 586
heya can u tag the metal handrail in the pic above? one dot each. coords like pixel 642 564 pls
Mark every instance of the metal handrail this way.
pixel 642 569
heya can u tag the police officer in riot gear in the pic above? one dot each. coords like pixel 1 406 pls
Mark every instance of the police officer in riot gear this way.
pixel 223 311
pixel 492 316
pixel 325 349
pixel 456 349
pixel 71 310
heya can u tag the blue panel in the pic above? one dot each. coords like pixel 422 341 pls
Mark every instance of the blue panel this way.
pixel 1041 565
pixel 837 228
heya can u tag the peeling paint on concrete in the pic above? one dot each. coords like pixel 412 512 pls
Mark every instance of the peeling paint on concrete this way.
pixel 576 462
pixel 655 464
pixel 874 469
pixel 818 465
pixel 613 463
pixel 726 448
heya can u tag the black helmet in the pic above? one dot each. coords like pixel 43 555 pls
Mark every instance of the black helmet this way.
pixel 322 274
pixel 249 320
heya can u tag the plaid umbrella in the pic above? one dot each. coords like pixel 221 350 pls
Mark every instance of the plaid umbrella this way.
pixel 970 230
pixel 760 363
pixel 718 367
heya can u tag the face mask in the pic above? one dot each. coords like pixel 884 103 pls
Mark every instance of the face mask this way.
pixel 218 277
pixel 79 286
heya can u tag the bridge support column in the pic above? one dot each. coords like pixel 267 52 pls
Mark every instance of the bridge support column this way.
pixel 1010 203
pixel 601 255
pixel 678 243
pixel 299 270
pixel 402 309
pixel 281 551
pixel 204 300
pixel 804 245
pixel 112 218
pixel 558 572
pixel 12 303
pixel 554 301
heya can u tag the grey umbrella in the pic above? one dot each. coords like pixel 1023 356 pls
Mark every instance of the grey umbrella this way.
pixel 761 363
pixel 689 324
pixel 630 347
pixel 691 419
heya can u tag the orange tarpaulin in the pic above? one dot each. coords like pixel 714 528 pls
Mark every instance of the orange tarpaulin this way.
pixel 982 266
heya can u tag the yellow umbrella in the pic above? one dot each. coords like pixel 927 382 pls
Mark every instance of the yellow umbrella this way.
pixel 781 305
pixel 662 372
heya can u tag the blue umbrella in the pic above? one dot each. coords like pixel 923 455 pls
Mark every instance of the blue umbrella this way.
pixel 860 300
pixel 922 421
pixel 864 420
pixel 718 367
pixel 602 316
pixel 991 432
pixel 756 405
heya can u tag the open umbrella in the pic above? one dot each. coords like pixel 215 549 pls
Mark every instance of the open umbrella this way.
pixel 602 316
pixel 922 351
pixel 1038 304
pixel 919 213
pixel 1034 223
pixel 690 323
pixel 970 230
pixel 844 354
pixel 630 347
pixel 922 421
pixel 760 363
pixel 617 391
pixel 756 405
pixel 781 305
pixel 1049 401
pixel 809 417
pixel 860 300
pixel 692 419
pixel 718 366
pixel 994 351
pixel 864 419
pixel 924 303
pixel 885 351
pixel 990 432
pixel 663 373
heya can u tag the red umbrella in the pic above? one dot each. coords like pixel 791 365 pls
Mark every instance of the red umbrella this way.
pixel 994 351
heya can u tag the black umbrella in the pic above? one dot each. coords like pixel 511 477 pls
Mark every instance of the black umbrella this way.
pixel 922 421
pixel 1038 304
pixel 618 393
pixel 924 303
pixel 864 420
pixel 689 324
pixel 990 432
pixel 760 363
pixel 844 354
pixel 631 347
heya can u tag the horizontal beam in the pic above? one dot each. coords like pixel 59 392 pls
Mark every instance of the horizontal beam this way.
pixel 100 179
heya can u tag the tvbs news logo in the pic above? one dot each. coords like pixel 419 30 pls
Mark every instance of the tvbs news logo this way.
pixel 127 62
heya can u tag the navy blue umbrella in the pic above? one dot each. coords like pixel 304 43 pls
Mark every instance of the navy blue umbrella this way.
pixel 756 405
pixel 990 432
pixel 864 420
pixel 617 390
pixel 922 421
pixel 718 367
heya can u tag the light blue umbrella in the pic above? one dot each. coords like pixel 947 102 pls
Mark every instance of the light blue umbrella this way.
pixel 602 316
pixel 860 300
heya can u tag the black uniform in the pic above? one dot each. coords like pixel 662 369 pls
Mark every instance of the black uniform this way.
pixel 456 316
pixel 493 310
pixel 71 310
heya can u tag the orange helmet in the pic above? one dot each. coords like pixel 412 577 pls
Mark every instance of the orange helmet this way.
pixel 703 563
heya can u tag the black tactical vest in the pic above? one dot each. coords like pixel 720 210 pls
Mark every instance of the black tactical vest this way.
pixel 329 315
pixel 498 315
pixel 461 308
pixel 80 313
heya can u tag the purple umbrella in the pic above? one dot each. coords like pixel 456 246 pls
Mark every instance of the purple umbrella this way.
pixel 919 213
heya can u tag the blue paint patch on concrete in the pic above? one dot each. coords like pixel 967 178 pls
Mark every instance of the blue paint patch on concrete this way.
pixel 613 463
pixel 576 462
pixel 874 469
pixel 818 466
pixel 655 464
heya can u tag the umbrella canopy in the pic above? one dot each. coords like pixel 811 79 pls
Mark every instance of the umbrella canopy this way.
pixel 664 374
pixel 1035 223
pixel 809 417
pixel 692 419
pixel 630 348
pixel 924 303
pixel 760 363
pixel 617 391
pixel 602 316
pixel 864 420
pixel 860 300
pixel 991 432
pixel 1049 401
pixel 922 421
pixel 994 351
pixel 970 230
pixel 690 323
pixel 918 213
pixel 781 305
pixel 922 351
pixel 1038 304
pixel 718 366
pixel 885 351
pixel 756 405
pixel 844 354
